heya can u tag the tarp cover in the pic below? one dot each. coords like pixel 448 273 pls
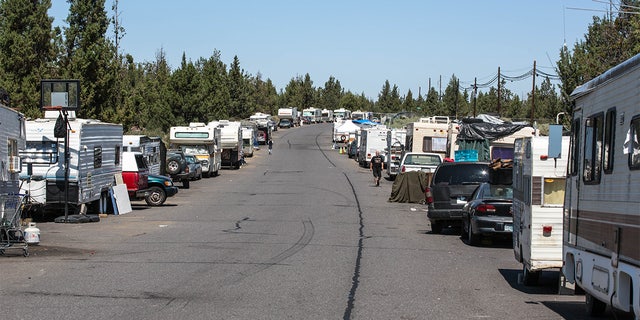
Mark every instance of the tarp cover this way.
pixel 488 131
pixel 409 187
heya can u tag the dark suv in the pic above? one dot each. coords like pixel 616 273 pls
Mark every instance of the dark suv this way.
pixel 178 168
pixel 452 185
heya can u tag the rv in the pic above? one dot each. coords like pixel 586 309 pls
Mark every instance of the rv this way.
pixel 248 139
pixel 152 149
pixel 291 114
pixel 201 141
pixel 342 113
pixel 95 149
pixel 601 209
pixel 394 151
pixel 264 127
pixel 539 171
pixel 230 142
pixel 433 134
pixel 326 115
pixel 312 114
pixel 361 115
pixel 12 130
pixel 371 140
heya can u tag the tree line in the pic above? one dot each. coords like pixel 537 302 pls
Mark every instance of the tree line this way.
pixel 150 96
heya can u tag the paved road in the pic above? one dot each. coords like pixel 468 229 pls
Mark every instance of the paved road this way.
pixel 300 234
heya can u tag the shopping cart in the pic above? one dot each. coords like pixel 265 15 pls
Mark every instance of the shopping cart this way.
pixel 11 235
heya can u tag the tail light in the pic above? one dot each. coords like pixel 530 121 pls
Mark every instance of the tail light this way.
pixel 485 209
pixel 427 193
pixel 403 169
pixel 546 230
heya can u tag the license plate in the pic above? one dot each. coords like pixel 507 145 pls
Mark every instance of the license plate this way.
pixel 508 227
pixel 427 170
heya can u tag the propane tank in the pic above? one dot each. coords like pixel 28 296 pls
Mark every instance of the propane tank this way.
pixel 32 234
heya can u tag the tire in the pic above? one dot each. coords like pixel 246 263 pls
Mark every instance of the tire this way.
pixel 173 166
pixel 529 278
pixel 436 227
pixel 472 239
pixel 185 183
pixel 594 306
pixel 156 197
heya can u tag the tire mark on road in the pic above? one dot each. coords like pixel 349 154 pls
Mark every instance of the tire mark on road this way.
pixel 323 153
pixel 355 279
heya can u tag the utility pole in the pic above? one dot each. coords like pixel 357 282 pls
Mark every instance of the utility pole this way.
pixel 475 91
pixel 533 93
pixel 498 91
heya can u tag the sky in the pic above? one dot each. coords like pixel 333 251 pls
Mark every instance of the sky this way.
pixel 361 43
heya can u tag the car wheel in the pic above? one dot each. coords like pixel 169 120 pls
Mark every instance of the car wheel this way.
pixel 156 197
pixel 472 238
pixel 173 166
pixel 594 306
pixel 436 227
pixel 529 278
pixel 185 183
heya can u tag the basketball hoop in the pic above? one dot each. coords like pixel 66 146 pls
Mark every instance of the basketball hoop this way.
pixel 60 95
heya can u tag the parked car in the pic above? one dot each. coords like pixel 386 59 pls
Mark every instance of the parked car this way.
pixel 178 168
pixel 352 150
pixel 451 187
pixel 160 188
pixel 285 123
pixel 194 166
pixel 420 161
pixel 135 175
pixel 488 212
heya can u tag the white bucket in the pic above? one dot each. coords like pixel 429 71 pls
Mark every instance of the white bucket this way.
pixel 32 234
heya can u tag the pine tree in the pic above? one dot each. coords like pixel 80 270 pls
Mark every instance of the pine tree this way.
pixel 26 51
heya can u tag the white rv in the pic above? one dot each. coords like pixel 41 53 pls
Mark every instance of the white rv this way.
pixel 326 115
pixel 12 130
pixel 248 140
pixel 361 115
pixel 538 195
pixel 371 140
pixel 312 114
pixel 150 147
pixel 602 195
pixel 95 149
pixel 291 114
pixel 433 134
pixel 342 113
pixel 230 142
pixel 396 139
pixel 201 141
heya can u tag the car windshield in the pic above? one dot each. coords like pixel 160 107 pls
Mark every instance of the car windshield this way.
pixel 422 159
pixel 499 192
pixel 194 149
pixel 462 174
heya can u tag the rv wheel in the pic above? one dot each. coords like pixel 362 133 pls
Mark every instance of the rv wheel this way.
pixel 529 278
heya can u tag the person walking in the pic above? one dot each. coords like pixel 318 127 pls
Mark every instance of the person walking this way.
pixel 270 145
pixel 376 166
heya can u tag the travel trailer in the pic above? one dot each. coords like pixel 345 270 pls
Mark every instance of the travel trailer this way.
pixel 230 142
pixel 342 113
pixel 95 149
pixel 291 114
pixel 326 115
pixel 152 149
pixel 433 134
pixel 539 171
pixel 601 207
pixel 394 151
pixel 361 115
pixel 371 140
pixel 13 132
pixel 248 140
pixel 264 127
pixel 201 141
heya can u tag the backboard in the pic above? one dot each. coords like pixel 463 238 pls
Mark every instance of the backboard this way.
pixel 60 94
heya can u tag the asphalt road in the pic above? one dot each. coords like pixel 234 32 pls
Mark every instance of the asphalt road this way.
pixel 299 234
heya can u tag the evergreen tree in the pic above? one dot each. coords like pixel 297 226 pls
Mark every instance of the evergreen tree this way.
pixel 408 104
pixel 452 98
pixel 214 88
pixel 330 95
pixel 155 106
pixel 238 91
pixel 26 51
pixel 186 103
pixel 308 93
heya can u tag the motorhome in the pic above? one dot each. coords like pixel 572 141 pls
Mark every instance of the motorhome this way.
pixel 12 130
pixel 201 141
pixel 290 113
pixel 432 134
pixel 602 201
pixel 152 149
pixel 230 142
pixel 248 140
pixel 539 172
pixel 361 115
pixel 313 114
pixel 326 115
pixel 371 140
pixel 395 149
pixel 95 149
pixel 342 113
pixel 264 127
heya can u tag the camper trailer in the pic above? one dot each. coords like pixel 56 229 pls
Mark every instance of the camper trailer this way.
pixel 95 149
pixel 312 114
pixel 12 131
pixel 152 150
pixel 230 142
pixel 539 171
pixel 433 134
pixel 248 140
pixel 394 151
pixel 342 113
pixel 602 198
pixel 326 115
pixel 201 141
pixel 291 114
pixel 264 127
pixel 371 140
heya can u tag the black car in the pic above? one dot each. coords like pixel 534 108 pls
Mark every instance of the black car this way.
pixel 178 168
pixel 451 188
pixel 488 212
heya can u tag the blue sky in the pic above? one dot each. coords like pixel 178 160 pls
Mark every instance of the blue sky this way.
pixel 360 43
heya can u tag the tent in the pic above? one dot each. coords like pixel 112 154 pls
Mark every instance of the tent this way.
pixel 348 127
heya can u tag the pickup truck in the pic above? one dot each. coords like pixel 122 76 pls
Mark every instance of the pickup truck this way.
pixel 135 175
pixel 420 161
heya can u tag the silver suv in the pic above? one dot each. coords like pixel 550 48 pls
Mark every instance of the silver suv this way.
pixel 452 185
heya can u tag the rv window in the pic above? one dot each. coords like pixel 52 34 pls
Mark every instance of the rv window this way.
pixel 609 138
pixel 97 157
pixel 575 146
pixel 434 144
pixel 593 149
pixel 45 152
pixel 117 160
pixel 553 191
pixel 634 144
pixel 12 147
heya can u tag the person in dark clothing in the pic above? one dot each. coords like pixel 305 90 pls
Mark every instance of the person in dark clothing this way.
pixel 376 166
pixel 270 145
